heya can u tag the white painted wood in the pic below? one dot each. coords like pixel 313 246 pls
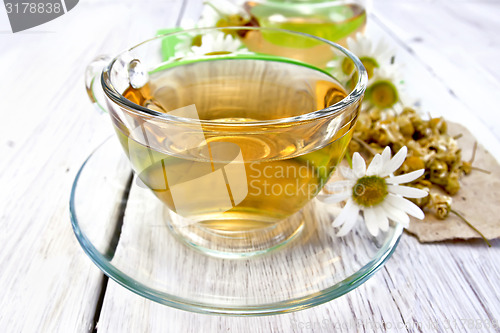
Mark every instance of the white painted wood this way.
pixel 397 296
pixel 149 253
pixel 433 287
pixel 458 42
pixel 48 128
pixel 434 93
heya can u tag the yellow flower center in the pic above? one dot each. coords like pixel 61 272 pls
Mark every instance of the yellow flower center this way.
pixel 370 64
pixel 369 191
pixel 347 66
pixel 383 94
pixel 217 53
pixel 196 41
pixel 231 21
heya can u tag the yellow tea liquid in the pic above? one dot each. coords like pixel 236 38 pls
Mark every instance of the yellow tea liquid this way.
pixel 281 174
pixel 331 20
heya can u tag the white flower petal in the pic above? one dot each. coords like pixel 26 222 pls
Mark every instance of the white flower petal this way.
pixel 382 220
pixel 333 198
pixel 407 191
pixel 383 52
pixel 216 42
pixel 395 162
pixel 371 221
pixel 349 222
pixel 375 165
pixel 349 208
pixel 360 45
pixel 229 43
pixel 347 173
pixel 350 43
pixel 386 155
pixel 387 73
pixel 339 186
pixel 209 17
pixel 224 7
pixel 358 165
pixel 395 214
pixel 406 178
pixel 405 205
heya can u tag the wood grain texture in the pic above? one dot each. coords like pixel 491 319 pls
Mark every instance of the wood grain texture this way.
pixel 432 91
pixel 48 129
pixel 419 299
pixel 316 260
pixel 457 44
pixel 435 287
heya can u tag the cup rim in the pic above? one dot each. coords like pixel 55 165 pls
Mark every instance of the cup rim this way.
pixel 355 95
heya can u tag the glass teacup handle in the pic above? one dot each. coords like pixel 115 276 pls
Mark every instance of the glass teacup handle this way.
pixel 93 80
pixel 132 73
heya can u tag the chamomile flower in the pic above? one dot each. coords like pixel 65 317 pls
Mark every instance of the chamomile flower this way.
pixel 375 192
pixel 371 55
pixel 384 89
pixel 209 17
pixel 216 43
pixel 222 13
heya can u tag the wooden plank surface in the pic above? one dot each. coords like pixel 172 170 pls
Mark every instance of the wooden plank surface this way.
pixel 48 128
pixel 458 45
pixel 420 289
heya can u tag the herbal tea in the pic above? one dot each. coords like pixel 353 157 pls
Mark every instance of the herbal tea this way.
pixel 331 20
pixel 278 173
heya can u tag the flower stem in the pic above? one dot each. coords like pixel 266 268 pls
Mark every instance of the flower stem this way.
pixel 348 157
pixel 471 226
pixel 481 170
pixel 474 150
pixel 365 145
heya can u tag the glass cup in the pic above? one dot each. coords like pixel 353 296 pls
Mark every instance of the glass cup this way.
pixel 335 20
pixel 234 130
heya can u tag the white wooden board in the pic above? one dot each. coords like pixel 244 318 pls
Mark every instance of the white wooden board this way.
pixel 48 128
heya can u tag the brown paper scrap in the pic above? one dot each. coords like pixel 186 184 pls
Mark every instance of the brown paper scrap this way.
pixel 478 199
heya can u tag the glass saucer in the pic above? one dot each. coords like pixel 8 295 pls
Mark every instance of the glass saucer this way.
pixel 122 228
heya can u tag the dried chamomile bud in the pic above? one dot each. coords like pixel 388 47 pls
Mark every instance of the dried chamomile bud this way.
pixel 405 126
pixel 412 163
pixel 438 172
pixel 452 184
pixel 438 125
pixel 466 167
pixel 440 205
pixel 423 185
